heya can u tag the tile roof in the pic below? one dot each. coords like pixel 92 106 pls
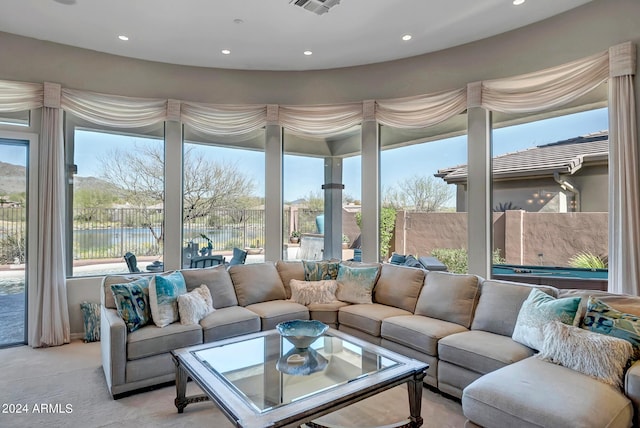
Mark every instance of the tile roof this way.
pixel 565 157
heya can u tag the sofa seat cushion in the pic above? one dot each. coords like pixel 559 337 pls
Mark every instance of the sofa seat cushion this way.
pixel 535 393
pixel 326 312
pixel 273 312
pixel 153 340
pixel 418 332
pixel 481 351
pixel 368 317
pixel 229 322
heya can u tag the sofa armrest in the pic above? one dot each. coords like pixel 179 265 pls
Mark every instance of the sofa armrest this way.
pixel 632 388
pixel 113 346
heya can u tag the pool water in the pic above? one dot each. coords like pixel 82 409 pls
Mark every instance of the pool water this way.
pixel 550 271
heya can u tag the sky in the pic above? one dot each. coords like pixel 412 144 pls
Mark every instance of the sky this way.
pixel 303 175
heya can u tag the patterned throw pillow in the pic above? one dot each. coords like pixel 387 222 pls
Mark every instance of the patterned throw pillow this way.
pixel 132 302
pixel 312 292
pixel 355 284
pixel 163 297
pixel 538 310
pixel 602 318
pixel 320 270
pixel 91 318
pixel 195 305
pixel 597 355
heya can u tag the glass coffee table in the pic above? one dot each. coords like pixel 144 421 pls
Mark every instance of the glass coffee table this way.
pixel 260 380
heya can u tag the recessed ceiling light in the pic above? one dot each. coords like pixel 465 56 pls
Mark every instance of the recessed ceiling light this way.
pixel 226 51
pixel 308 53
pixel 406 37
pixel 518 2
pixel 123 38
pixel 238 21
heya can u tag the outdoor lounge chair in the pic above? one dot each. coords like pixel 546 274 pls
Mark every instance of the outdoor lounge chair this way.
pixel 132 262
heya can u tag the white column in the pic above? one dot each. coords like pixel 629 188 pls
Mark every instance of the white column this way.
pixel 332 208
pixel 370 227
pixel 479 216
pixel 173 195
pixel 273 186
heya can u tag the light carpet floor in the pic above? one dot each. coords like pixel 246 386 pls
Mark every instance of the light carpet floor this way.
pixel 68 380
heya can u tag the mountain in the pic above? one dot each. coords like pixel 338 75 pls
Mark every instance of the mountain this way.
pixel 13 180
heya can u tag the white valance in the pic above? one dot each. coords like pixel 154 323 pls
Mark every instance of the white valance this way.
pixel 114 110
pixel 320 120
pixel 422 110
pixel 20 96
pixel 229 120
pixel 545 89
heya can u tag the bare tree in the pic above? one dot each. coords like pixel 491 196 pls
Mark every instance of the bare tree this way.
pixel 138 176
pixel 418 193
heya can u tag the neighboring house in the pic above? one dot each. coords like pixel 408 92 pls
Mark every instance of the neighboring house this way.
pixel 565 176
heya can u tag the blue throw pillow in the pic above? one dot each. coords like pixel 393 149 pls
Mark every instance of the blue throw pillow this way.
pixel 398 259
pixel 163 297
pixel 91 318
pixel 602 318
pixel 239 257
pixel 320 270
pixel 355 284
pixel 132 302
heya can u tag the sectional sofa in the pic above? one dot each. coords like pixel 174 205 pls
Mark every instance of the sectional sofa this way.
pixel 461 325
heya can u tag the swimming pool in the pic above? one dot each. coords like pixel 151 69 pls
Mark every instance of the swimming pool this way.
pixel 557 276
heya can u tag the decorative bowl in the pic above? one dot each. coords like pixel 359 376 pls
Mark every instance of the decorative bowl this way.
pixel 301 362
pixel 301 333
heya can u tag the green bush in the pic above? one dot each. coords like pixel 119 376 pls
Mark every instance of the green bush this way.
pixel 456 259
pixel 588 260
pixel 387 226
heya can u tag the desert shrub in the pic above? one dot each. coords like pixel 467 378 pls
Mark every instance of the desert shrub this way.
pixel 588 260
pixel 456 259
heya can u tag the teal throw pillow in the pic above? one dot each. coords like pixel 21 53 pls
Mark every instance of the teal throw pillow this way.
pixel 132 302
pixel 320 270
pixel 538 310
pixel 163 297
pixel 602 318
pixel 355 284
pixel 91 318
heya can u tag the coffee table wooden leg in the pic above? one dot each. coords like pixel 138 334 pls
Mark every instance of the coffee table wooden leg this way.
pixel 181 388
pixel 414 387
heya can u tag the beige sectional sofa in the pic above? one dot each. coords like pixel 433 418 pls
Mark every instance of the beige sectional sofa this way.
pixel 461 325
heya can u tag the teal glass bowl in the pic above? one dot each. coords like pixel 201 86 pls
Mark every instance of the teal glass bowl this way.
pixel 302 333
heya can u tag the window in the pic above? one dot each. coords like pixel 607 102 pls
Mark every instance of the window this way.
pixel 550 187
pixel 223 196
pixel 116 184
pixel 424 184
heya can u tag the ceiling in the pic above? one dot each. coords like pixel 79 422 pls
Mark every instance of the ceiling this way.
pixel 270 34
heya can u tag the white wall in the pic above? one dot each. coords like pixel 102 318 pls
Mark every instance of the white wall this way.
pixel 575 34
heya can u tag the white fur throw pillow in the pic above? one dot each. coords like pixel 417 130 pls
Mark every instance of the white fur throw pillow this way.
pixel 597 355
pixel 308 292
pixel 195 305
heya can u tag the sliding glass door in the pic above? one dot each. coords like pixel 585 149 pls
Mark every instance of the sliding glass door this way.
pixel 13 240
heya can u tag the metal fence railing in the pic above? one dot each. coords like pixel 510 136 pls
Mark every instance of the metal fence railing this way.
pixel 104 233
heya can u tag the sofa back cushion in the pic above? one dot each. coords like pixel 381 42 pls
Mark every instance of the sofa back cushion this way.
pixel 106 296
pixel 289 270
pixel 256 283
pixel 398 286
pixel 217 279
pixel 500 303
pixel 449 297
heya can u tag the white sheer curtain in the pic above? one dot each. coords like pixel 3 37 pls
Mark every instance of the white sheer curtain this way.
pixel 624 175
pixel 49 319
pixel 422 110
pixel 20 96
pixel 545 89
pixel 229 120
pixel 320 120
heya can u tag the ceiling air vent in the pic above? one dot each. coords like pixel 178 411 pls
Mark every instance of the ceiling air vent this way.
pixel 316 6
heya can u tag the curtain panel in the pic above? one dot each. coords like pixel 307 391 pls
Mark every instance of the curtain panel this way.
pixel 320 120
pixel 421 111
pixel 545 89
pixel 20 96
pixel 224 120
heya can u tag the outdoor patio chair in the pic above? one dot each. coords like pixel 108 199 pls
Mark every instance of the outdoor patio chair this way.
pixel 132 262
pixel 206 261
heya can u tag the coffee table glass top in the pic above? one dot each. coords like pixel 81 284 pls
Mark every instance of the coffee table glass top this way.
pixel 267 372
